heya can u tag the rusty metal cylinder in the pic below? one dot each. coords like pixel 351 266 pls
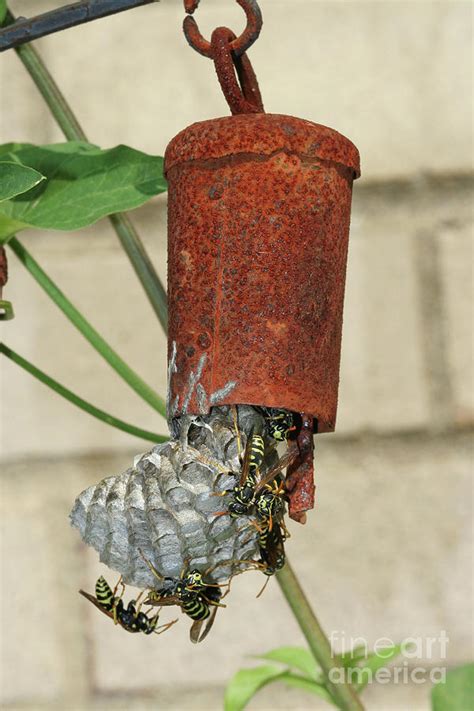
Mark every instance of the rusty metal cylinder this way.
pixel 258 225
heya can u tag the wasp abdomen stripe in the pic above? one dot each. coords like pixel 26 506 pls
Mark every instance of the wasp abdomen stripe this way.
pixel 257 451
pixel 196 610
pixel 104 594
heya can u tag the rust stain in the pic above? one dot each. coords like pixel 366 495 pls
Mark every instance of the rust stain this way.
pixel 278 328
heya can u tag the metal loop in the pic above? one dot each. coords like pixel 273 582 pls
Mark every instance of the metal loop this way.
pixel 243 96
pixel 239 45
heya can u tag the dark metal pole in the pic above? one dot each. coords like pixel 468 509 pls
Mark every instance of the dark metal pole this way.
pixel 28 29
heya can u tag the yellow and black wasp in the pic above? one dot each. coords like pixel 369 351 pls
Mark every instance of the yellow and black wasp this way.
pixel 255 493
pixel 243 493
pixel 272 551
pixel 269 507
pixel 278 423
pixel 199 599
pixel 130 618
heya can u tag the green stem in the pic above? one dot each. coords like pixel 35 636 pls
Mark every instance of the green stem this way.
pixel 94 338
pixel 142 265
pixel 343 694
pixel 73 131
pixel 76 400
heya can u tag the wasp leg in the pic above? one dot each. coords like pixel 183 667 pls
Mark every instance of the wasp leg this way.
pixel 185 567
pixel 119 582
pixel 225 492
pixel 163 628
pixel 247 540
pixel 255 566
pixel 151 566
pixel 117 599
pixel 260 529
pixel 209 462
pixel 221 513
pixel 139 604
pixel 235 418
pixel 286 532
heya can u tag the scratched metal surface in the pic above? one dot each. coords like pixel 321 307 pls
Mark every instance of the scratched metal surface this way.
pixel 164 505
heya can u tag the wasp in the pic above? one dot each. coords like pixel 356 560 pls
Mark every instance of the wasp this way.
pixel 269 506
pixel 264 494
pixel 272 551
pixel 130 618
pixel 278 423
pixel 199 599
pixel 244 492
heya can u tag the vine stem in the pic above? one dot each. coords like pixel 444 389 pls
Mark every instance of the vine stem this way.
pixel 79 401
pixel 343 694
pixel 88 331
pixel 121 223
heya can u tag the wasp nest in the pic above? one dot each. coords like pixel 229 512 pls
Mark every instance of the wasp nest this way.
pixel 163 509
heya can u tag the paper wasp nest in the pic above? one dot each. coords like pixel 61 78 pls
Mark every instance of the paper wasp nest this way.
pixel 164 506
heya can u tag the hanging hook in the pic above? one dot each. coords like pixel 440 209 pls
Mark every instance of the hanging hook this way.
pixel 242 95
pixel 239 45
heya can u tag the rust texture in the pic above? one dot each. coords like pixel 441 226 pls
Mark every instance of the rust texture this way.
pixel 299 482
pixel 243 96
pixel 239 45
pixel 259 209
pixel 3 269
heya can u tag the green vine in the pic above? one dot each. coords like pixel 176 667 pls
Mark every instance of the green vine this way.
pixel 78 401
pixel 95 339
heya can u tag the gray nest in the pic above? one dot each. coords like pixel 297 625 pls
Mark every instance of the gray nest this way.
pixel 164 506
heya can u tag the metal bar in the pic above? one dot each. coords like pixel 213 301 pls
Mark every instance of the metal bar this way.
pixel 28 29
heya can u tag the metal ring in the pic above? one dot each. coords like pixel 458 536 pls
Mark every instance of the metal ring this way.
pixel 243 96
pixel 239 45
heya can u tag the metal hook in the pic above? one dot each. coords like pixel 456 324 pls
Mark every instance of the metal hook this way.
pixel 239 45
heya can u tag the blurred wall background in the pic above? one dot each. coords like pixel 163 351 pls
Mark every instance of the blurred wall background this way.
pixel 387 553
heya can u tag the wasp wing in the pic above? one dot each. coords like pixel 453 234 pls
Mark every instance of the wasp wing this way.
pixel 164 601
pixel 285 461
pixel 246 463
pixel 194 633
pixel 95 602
pixel 274 552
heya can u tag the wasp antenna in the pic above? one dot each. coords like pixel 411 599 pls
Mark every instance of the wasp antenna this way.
pixel 262 590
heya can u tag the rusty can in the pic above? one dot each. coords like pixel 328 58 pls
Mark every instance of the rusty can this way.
pixel 258 224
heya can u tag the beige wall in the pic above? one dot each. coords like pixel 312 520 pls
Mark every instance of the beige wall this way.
pixel 387 552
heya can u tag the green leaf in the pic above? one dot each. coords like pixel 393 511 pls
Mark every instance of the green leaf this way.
pixel 6 311
pixel 84 184
pixel 246 683
pixel 352 656
pixel 308 685
pixel 295 658
pixel 374 662
pixel 10 148
pixel 8 228
pixel 16 179
pixel 457 692
pixel 3 10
